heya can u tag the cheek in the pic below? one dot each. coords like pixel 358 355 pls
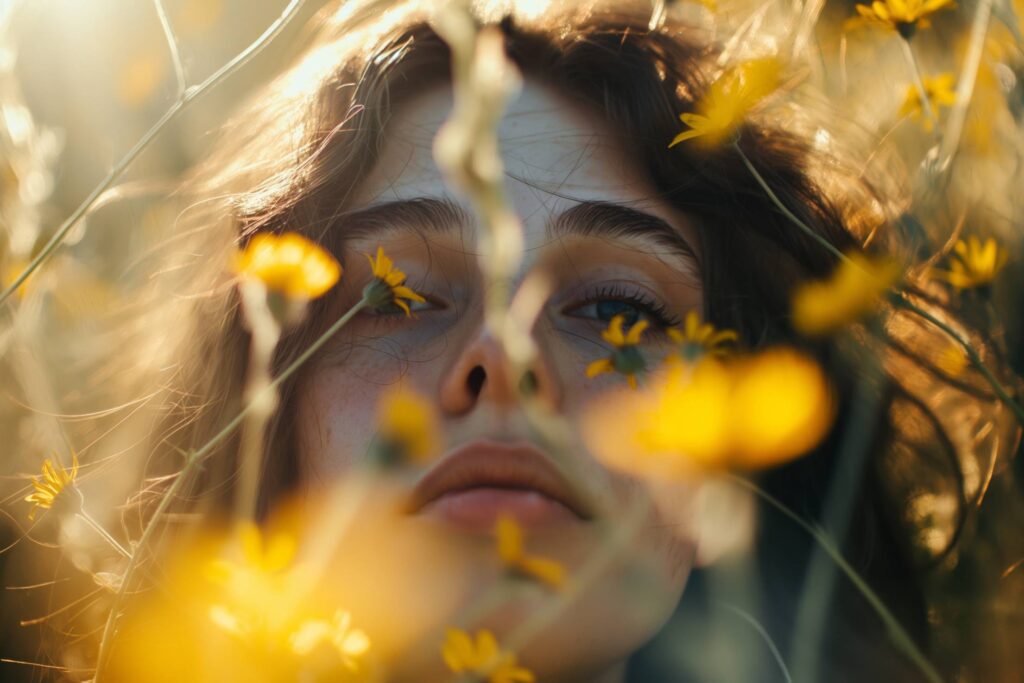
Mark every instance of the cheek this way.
pixel 336 414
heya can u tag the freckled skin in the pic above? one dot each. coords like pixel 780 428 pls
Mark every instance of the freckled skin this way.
pixel 555 156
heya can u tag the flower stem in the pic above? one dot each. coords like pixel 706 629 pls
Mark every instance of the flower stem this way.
pixel 897 633
pixel 191 461
pixel 172 47
pixel 172 113
pixel 756 625
pixel 898 297
pixel 926 104
pixel 265 332
pixel 902 301
pixel 828 246
pixel 98 528
pixel 843 485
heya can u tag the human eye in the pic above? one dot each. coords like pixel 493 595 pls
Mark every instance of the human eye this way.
pixel 430 304
pixel 602 303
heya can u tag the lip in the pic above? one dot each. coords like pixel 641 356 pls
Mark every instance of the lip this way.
pixel 482 479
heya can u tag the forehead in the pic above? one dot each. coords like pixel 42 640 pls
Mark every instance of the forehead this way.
pixel 555 153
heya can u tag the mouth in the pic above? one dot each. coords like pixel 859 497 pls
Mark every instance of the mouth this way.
pixel 481 480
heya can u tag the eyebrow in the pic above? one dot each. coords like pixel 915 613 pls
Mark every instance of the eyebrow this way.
pixel 588 218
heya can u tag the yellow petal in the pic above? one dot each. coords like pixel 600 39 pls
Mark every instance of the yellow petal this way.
pixel 613 334
pixel 781 408
pixel 547 570
pixel 510 539
pixel 633 336
pixel 599 367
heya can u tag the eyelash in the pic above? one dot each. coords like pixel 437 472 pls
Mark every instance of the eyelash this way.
pixel 656 311
pixel 649 307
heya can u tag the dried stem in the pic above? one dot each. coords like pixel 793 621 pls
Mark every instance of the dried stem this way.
pixel 926 104
pixel 900 298
pixel 192 459
pixel 98 528
pixel 896 631
pixel 175 110
pixel 172 47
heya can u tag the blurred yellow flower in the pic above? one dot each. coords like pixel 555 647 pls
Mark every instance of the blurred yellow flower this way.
pixel 140 78
pixel 289 264
pixel 351 644
pixel 902 16
pixel 12 272
pixel 407 427
pixel 482 658
pixel 941 92
pixel 626 357
pixel 512 552
pixel 973 264
pixel 781 408
pixel 728 101
pixel 197 16
pixel 697 338
pixel 256 597
pixel 852 292
pixel 388 286
pixel 50 484
pixel 757 411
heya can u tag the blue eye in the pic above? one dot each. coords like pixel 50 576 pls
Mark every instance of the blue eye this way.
pixel 607 302
pixel 414 307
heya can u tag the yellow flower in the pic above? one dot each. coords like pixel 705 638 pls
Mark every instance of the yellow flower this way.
pixel 754 412
pixel 49 486
pixel 388 286
pixel 728 101
pixel 351 644
pixel 482 658
pixel 12 272
pixel 289 264
pixel 902 16
pixel 852 292
pixel 198 16
pixel 940 91
pixel 407 427
pixel 626 357
pixel 140 78
pixel 974 264
pixel 256 593
pixel 781 408
pixel 513 554
pixel 697 339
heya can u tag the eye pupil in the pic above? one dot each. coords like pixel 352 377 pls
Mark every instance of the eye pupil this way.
pixel 609 308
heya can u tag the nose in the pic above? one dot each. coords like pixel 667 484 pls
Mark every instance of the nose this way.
pixel 481 374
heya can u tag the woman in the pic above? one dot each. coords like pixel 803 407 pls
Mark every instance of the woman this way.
pixel 340 149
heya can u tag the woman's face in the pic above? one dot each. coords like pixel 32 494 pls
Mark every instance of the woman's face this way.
pixel 609 246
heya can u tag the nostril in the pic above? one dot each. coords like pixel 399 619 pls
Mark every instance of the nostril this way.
pixel 528 383
pixel 475 381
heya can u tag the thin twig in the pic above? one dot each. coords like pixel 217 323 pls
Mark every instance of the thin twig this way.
pixel 844 483
pixel 749 618
pixel 98 528
pixel 896 631
pixel 172 47
pixel 922 92
pixel 192 460
pixel 965 85
pixel 901 300
pixel 175 110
